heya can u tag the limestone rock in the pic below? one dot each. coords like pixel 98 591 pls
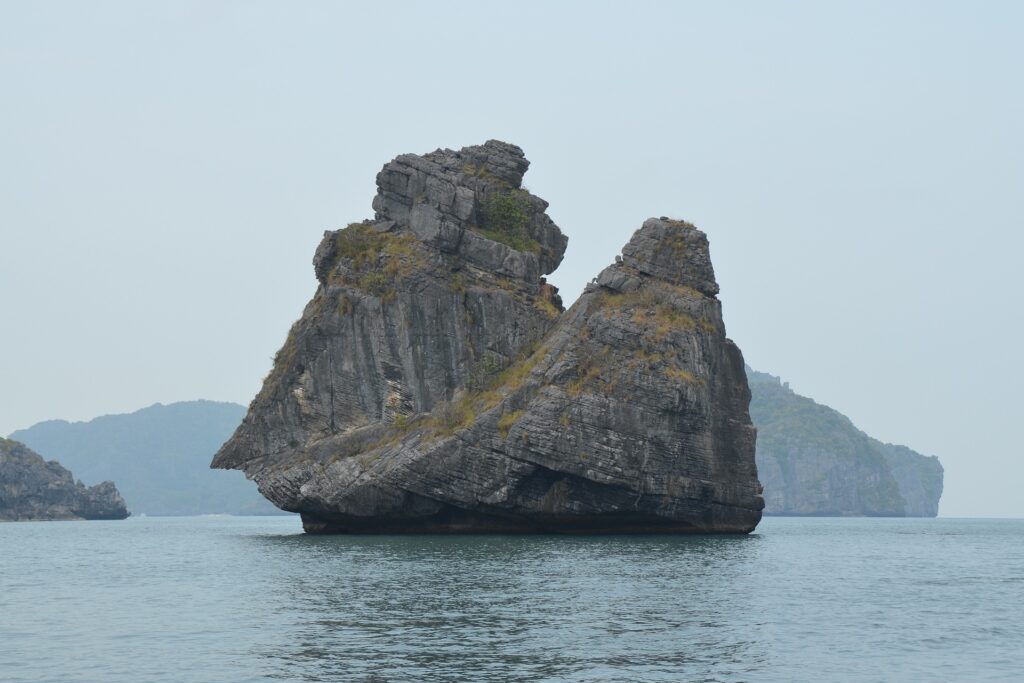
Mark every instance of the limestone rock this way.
pixel 434 383
pixel 445 198
pixel 34 489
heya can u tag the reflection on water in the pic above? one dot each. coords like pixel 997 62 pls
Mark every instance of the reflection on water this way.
pixel 543 607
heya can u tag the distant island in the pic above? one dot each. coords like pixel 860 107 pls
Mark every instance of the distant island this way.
pixel 813 461
pixel 159 456
pixel 32 489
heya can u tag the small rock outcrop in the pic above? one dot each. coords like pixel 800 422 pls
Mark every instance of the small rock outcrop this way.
pixel 435 384
pixel 33 489
pixel 814 462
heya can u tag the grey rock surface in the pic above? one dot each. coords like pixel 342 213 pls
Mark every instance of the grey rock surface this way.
pixel 433 383
pixel 814 462
pixel 33 489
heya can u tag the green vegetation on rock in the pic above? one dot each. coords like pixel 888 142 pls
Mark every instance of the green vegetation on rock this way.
pixel 505 217
pixel 373 261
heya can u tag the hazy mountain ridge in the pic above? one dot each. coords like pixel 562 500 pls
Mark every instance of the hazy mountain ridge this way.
pixel 812 460
pixel 158 456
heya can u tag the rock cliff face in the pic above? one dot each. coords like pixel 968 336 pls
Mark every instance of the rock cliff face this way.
pixel 814 461
pixel 34 489
pixel 434 383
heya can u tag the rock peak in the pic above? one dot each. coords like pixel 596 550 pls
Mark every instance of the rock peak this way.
pixel 471 203
pixel 670 251
pixel 674 251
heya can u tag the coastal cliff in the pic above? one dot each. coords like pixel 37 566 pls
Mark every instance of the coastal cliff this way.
pixel 435 384
pixel 33 489
pixel 814 462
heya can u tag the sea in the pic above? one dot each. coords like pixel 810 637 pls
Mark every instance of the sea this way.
pixel 212 599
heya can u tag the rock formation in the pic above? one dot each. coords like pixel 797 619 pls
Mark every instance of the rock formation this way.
pixel 34 489
pixel 434 383
pixel 813 461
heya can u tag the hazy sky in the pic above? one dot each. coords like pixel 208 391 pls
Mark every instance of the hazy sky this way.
pixel 167 169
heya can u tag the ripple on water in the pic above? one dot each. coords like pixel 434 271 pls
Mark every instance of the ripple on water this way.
pixel 252 599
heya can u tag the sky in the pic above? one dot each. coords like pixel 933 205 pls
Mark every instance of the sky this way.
pixel 167 170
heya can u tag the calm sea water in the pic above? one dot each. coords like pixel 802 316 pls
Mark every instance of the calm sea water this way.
pixel 253 599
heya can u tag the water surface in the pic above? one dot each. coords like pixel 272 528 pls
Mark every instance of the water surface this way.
pixel 253 599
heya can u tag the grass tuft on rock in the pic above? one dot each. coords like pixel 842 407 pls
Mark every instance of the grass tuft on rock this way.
pixel 373 261
pixel 505 217
pixel 506 421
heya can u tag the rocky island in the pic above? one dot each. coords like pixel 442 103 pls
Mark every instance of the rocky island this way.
pixel 814 462
pixel 434 383
pixel 33 489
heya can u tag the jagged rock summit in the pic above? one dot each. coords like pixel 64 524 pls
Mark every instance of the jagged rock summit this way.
pixel 435 384
pixel 32 489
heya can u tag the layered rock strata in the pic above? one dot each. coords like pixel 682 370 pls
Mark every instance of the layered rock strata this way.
pixel 33 489
pixel 434 384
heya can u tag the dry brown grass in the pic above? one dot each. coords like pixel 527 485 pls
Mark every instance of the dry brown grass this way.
pixel 506 421
pixel 375 260
pixel 680 375
pixel 460 414
pixel 548 308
